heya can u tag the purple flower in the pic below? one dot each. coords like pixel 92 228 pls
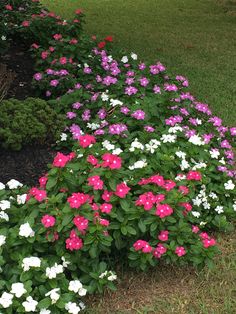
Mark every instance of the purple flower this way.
pixel 207 138
pixel 78 85
pixel 38 76
pixel 131 90
pixel 86 115
pixel 144 81
pixel 129 80
pixel 216 121
pixel 102 114
pixel 76 105
pixel 156 89
pixel 63 72
pixel 99 132
pixel 138 114
pixel 149 128
pixel 130 73
pixel 190 133
pixel 203 108
pixel 117 129
pixel 54 83
pixel 75 130
pixel 71 115
pixel 229 154
pixel 154 69
pixel 170 87
pixel 142 66
pixel 225 144
pixel 50 71
pixel 233 131
pixel 48 93
pixel 124 110
pixel 184 111
pixel 173 120
pixel 87 70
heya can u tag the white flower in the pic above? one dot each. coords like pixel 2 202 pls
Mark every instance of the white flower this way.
pixel 214 153
pixel 136 144
pixel 6 300
pixel 203 223
pixel 72 308
pixel 197 201
pixel 167 138
pixel 26 231
pixel 229 185
pixel 81 304
pixel 30 304
pixel 54 296
pixel 18 289
pixel 45 311
pixel 180 177
pixel 21 199
pixel 152 145
pixel 175 129
pixel 5 204
pixel 65 263
pixel 104 97
pixel 4 216
pixel 82 292
pixel 219 209
pixel 184 164
pixel 2 186
pixel 32 261
pixel 52 272
pixel 213 195
pixel 106 144
pixel 115 102
pixel 103 274
pixel 180 154
pixel 196 214
pixel 196 140
pixel 3 38
pixel 63 137
pixel 206 205
pixel 234 206
pixel 2 239
pixel 14 184
pixel 222 161
pixel 112 276
pixel 199 165
pixel 125 59
pixel 134 56
pixel 117 151
pixel 138 164
pixel 75 285
pixel 93 126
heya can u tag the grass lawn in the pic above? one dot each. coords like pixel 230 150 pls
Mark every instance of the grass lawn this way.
pixel 196 38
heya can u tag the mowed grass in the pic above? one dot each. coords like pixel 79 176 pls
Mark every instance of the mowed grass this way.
pixel 195 38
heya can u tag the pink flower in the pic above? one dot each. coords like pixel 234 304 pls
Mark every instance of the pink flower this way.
pixel 74 243
pixel 63 60
pixel 106 196
pixel 112 161
pixel 104 222
pixel 163 210
pixel 169 185
pixel 180 251
pixel 106 208
pixel 94 206
pixel 43 181
pixel 147 200
pixel 194 175
pixel 8 7
pixel 142 245
pixel 208 242
pixel 77 200
pixel 122 190
pixel 92 160
pixel 60 160
pixel 40 195
pixel 159 250
pixel 81 223
pixel 204 235
pixel 163 236
pixel 183 189
pixel 95 182
pixel 57 36
pixel 48 221
pixel 25 23
pixel 86 140
pixel 195 229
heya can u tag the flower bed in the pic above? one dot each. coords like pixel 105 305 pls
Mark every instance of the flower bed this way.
pixel 151 172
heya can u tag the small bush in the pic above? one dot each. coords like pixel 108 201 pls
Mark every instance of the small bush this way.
pixel 27 122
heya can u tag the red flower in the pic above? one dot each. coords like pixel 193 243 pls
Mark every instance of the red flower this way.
pixel 8 7
pixel 122 190
pixel 78 11
pixel 109 38
pixel 101 45
pixel 86 140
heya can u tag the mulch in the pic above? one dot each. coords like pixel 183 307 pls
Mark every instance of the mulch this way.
pixel 28 164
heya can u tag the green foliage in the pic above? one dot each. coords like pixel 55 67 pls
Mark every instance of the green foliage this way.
pixel 31 121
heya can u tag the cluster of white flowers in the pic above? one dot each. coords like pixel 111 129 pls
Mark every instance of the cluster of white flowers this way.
pixel 14 184
pixel 196 140
pixel 53 295
pixel 2 240
pixel 52 272
pixel 93 126
pixel 168 138
pixel 138 164
pixel 26 230
pixel 199 165
pixel 115 102
pixel 136 145
pixel 32 261
pixel 175 129
pixel 77 287
pixel 229 185
pixel 110 275
pixel 152 145
pixel 201 199
pixel 184 163
pixel 111 147
pixel 73 308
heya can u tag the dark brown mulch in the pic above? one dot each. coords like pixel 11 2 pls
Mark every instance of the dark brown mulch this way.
pixel 18 60
pixel 26 165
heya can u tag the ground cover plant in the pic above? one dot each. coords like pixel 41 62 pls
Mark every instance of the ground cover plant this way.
pixel 148 175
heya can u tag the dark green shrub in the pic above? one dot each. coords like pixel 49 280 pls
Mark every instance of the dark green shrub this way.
pixel 31 121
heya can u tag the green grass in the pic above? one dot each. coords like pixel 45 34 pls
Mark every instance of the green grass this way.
pixel 195 38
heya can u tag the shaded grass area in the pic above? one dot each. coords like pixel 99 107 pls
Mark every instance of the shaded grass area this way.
pixel 196 38
pixel 176 290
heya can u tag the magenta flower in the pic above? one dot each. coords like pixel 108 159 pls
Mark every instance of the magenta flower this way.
pixel 38 76
pixel 131 90
pixel 138 114
pixel 54 83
